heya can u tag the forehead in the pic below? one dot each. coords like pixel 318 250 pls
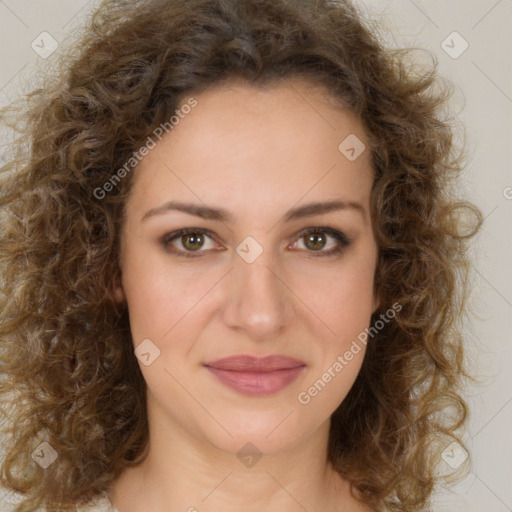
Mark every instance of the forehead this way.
pixel 245 143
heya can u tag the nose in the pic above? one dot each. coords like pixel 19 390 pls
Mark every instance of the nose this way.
pixel 258 300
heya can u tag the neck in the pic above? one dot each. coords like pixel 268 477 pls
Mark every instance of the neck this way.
pixel 184 473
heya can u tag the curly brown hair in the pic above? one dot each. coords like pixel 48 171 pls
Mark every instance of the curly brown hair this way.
pixel 69 375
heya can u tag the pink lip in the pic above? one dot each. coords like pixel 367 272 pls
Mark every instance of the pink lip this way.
pixel 256 376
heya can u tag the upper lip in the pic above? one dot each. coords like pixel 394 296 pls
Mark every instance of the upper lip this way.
pixel 245 363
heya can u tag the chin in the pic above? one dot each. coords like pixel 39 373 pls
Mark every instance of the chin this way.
pixel 268 433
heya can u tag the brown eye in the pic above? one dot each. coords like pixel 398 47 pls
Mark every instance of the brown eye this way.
pixel 323 241
pixel 315 241
pixel 187 241
pixel 192 241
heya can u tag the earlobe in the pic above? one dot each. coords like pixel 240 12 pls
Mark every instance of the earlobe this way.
pixel 118 294
pixel 376 302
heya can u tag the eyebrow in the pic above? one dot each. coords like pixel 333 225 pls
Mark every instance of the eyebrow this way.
pixel 220 214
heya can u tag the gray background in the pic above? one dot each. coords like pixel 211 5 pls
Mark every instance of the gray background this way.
pixel 483 78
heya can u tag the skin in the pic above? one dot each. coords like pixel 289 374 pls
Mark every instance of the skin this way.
pixel 256 152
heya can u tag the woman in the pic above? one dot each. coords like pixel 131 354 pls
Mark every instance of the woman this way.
pixel 231 267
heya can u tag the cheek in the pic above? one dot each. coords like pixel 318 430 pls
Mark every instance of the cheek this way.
pixel 343 300
pixel 340 344
pixel 160 296
pixel 160 302
pixel 346 299
pixel 342 294
pixel 346 311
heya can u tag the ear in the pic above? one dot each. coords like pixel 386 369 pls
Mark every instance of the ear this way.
pixel 117 292
pixel 376 301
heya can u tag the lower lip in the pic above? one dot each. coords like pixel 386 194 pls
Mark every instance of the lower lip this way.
pixel 257 383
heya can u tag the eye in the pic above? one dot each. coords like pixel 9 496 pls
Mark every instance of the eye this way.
pixel 316 239
pixel 190 239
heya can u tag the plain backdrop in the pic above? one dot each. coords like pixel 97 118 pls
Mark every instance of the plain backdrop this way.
pixel 472 41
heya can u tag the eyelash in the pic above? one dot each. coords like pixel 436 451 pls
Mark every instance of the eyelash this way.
pixel 343 240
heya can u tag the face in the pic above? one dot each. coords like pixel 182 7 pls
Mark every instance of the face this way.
pixel 247 172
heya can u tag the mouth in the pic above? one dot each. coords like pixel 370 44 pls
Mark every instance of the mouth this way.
pixel 256 376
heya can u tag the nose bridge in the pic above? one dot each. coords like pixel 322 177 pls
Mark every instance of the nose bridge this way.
pixel 258 301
